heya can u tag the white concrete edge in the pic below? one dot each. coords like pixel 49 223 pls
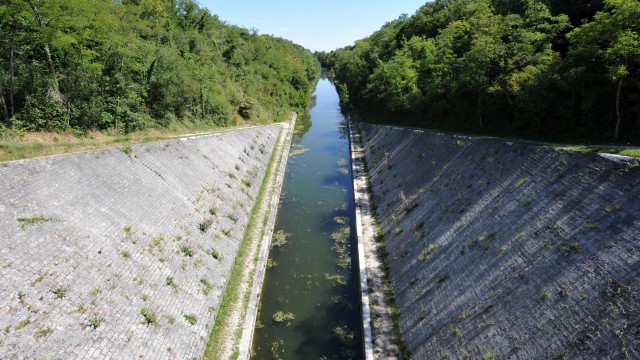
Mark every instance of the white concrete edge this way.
pixel 618 158
pixel 248 329
pixel 357 176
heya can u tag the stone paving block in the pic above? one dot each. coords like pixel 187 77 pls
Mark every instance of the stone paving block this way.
pixel 508 249
pixel 104 252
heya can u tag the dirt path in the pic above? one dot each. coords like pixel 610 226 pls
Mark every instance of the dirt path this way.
pixel 232 334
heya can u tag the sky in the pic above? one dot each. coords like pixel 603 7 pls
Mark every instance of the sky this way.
pixel 317 25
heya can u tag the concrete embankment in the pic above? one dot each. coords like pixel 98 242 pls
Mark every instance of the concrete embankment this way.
pixel 505 250
pixel 124 253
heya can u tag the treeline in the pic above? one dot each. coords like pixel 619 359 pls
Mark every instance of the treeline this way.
pixel 74 65
pixel 544 69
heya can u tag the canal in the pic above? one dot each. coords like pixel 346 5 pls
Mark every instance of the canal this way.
pixel 310 301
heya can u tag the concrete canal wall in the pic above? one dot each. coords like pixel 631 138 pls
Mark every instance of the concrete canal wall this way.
pixel 507 250
pixel 124 253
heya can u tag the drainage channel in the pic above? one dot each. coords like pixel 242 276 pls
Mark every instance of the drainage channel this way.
pixel 310 301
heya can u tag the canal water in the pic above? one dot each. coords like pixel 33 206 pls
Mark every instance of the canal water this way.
pixel 310 301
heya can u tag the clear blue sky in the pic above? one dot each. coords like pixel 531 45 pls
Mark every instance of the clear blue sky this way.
pixel 316 25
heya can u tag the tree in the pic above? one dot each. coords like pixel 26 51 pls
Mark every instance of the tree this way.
pixel 614 38
pixel 394 83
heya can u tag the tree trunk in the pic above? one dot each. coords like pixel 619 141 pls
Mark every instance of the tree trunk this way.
pixel 618 108
pixel 5 113
pixel 204 110
pixel 47 52
pixel 12 68
pixel 480 112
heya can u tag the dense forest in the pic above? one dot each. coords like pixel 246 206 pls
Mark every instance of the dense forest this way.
pixel 545 69
pixel 78 65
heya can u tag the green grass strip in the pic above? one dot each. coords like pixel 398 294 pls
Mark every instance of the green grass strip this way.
pixel 632 152
pixel 231 295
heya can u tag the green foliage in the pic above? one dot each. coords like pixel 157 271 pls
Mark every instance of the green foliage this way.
pixel 32 220
pixel 205 225
pixel 424 256
pixel 95 321
pixel 149 317
pixel 542 69
pixel 127 65
pixel 60 292
pixel 190 318
pixel 172 283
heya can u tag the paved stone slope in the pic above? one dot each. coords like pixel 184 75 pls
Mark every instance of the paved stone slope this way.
pixel 124 253
pixel 508 250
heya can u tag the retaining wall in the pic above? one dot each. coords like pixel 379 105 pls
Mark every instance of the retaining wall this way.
pixel 507 250
pixel 124 253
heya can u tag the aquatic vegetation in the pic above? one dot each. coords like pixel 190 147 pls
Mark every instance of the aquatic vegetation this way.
pixel 279 239
pixel 282 316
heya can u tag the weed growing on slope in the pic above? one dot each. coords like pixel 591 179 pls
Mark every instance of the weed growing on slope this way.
pixel 205 225
pixel 417 230
pixel 95 291
pixel 545 294
pixel 407 203
pixel 488 356
pixel 521 182
pixel 463 315
pixel 43 332
pixel 612 208
pixel 440 278
pixel 569 247
pixel 149 317
pixel 23 323
pixel 60 292
pixel 455 331
pixel 186 250
pixel 425 254
pixel 206 286
pixel 94 322
pixel 171 282
pixel 215 254
pixel 485 323
pixel 483 239
pixel 32 220
pixel 127 231
pixel 190 318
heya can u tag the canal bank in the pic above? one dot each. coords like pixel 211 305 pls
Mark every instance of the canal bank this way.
pixel 125 252
pixel 310 301
pixel 231 335
pixel 498 249
pixel 379 333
